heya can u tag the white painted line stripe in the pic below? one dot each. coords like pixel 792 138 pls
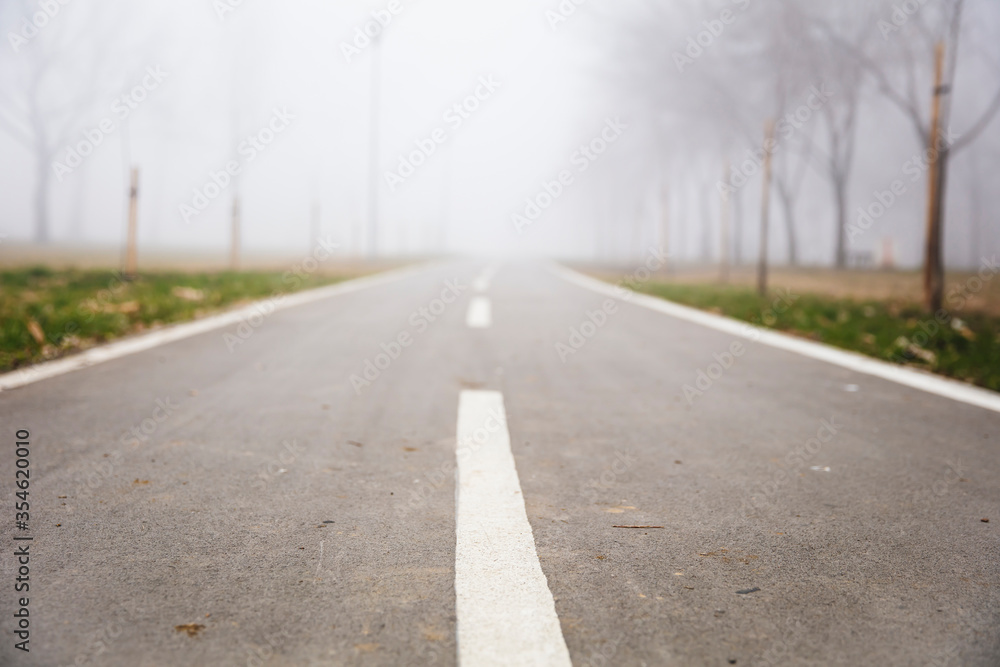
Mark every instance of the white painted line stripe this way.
pixel 480 315
pixel 176 332
pixel 506 614
pixel 932 384
pixel 482 283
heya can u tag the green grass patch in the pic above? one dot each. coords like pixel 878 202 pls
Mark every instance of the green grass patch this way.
pixel 46 314
pixel 962 345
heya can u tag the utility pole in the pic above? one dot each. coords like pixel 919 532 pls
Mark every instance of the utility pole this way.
pixel 765 212
pixel 131 251
pixel 373 149
pixel 933 261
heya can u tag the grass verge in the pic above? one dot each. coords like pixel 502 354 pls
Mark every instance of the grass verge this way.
pixel 45 314
pixel 958 344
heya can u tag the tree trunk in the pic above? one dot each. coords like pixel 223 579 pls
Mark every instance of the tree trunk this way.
pixel 788 208
pixel 737 227
pixel 938 171
pixel 706 228
pixel 665 218
pixel 765 212
pixel 840 206
pixel 725 224
pixel 42 198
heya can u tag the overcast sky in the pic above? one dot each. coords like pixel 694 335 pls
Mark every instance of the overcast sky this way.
pixel 295 74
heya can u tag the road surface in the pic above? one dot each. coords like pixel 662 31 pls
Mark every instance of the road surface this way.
pixel 433 470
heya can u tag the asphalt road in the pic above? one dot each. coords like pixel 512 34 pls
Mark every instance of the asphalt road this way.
pixel 208 502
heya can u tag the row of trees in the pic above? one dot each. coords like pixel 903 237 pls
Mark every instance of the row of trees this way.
pixel 66 69
pixel 712 76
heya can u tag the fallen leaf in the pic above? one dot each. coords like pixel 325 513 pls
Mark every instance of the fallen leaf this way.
pixel 188 293
pixel 192 629
pixel 36 331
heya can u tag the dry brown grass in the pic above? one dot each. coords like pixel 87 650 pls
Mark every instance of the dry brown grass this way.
pixel 59 257
pixel 895 286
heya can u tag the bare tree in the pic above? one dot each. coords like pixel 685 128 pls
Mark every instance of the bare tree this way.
pixel 906 76
pixel 831 28
pixel 52 85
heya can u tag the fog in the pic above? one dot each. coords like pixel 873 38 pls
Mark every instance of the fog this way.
pixel 585 129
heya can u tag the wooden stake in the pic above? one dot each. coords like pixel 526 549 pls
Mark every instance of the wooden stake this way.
pixel 131 252
pixel 765 208
pixel 665 220
pixel 234 248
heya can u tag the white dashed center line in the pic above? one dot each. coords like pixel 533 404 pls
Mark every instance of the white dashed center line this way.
pixel 482 283
pixel 506 614
pixel 480 315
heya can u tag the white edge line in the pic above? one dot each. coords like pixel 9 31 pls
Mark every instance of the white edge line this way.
pixel 932 384
pixel 175 332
